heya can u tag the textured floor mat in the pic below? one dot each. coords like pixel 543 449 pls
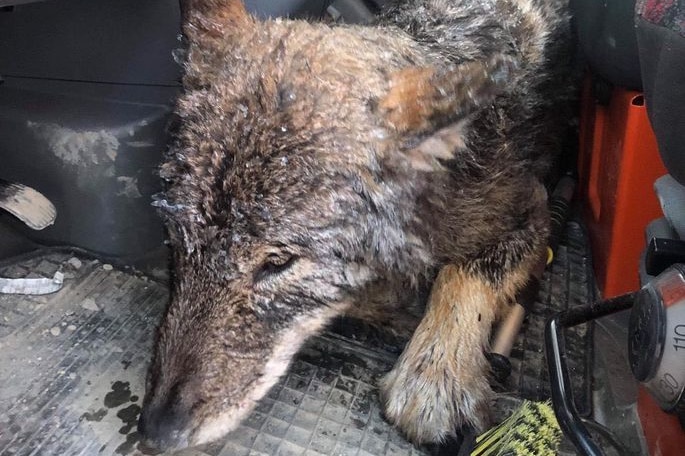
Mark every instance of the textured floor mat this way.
pixel 72 368
pixel 72 363
pixel 327 404
pixel 567 282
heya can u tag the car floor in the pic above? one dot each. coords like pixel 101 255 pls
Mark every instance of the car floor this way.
pixel 73 364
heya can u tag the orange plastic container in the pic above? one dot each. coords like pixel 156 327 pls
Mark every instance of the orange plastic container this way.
pixel 618 164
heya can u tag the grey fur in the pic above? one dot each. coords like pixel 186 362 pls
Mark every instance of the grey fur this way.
pixel 304 179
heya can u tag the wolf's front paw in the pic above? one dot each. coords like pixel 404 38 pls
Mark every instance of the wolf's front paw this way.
pixel 430 401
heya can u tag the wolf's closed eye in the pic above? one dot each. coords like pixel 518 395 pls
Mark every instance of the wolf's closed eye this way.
pixel 275 264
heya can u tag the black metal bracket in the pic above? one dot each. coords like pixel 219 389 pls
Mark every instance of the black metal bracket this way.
pixel 663 253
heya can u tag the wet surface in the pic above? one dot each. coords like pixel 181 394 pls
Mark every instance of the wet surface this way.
pixel 96 416
pixel 87 380
pixel 128 446
pixel 129 416
pixel 71 345
pixel 120 394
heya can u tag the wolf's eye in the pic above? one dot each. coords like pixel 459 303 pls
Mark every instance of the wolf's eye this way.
pixel 275 264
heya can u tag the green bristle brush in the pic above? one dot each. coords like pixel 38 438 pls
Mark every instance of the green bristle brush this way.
pixel 532 430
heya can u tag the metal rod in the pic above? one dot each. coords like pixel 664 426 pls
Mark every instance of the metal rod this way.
pixel 560 382
pixel 507 332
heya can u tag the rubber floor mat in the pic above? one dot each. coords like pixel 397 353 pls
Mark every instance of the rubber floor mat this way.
pixel 72 367
pixel 567 282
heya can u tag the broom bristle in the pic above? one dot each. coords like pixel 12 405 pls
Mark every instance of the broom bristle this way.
pixel 532 430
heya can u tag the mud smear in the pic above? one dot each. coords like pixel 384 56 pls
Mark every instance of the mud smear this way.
pixel 129 416
pixel 148 450
pixel 78 148
pixel 377 431
pixel 120 394
pixel 95 416
pixel 128 187
pixel 358 423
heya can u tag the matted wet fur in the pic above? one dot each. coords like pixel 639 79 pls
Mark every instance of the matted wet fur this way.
pixel 321 170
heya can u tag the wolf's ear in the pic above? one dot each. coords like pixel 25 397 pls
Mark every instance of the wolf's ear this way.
pixel 434 105
pixel 425 99
pixel 207 20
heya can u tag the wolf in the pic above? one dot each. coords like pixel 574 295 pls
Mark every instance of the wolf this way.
pixel 322 170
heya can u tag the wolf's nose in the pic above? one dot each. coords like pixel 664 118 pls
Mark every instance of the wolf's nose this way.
pixel 164 427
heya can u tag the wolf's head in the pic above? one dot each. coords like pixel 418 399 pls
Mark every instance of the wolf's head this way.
pixel 292 184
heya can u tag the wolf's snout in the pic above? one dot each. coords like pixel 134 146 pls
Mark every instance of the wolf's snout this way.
pixel 165 426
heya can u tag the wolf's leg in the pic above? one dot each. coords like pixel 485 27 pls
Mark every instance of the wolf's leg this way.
pixel 440 382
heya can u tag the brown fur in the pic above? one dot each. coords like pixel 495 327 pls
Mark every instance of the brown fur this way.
pixel 320 170
pixel 458 317
pixel 421 96
pixel 440 378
